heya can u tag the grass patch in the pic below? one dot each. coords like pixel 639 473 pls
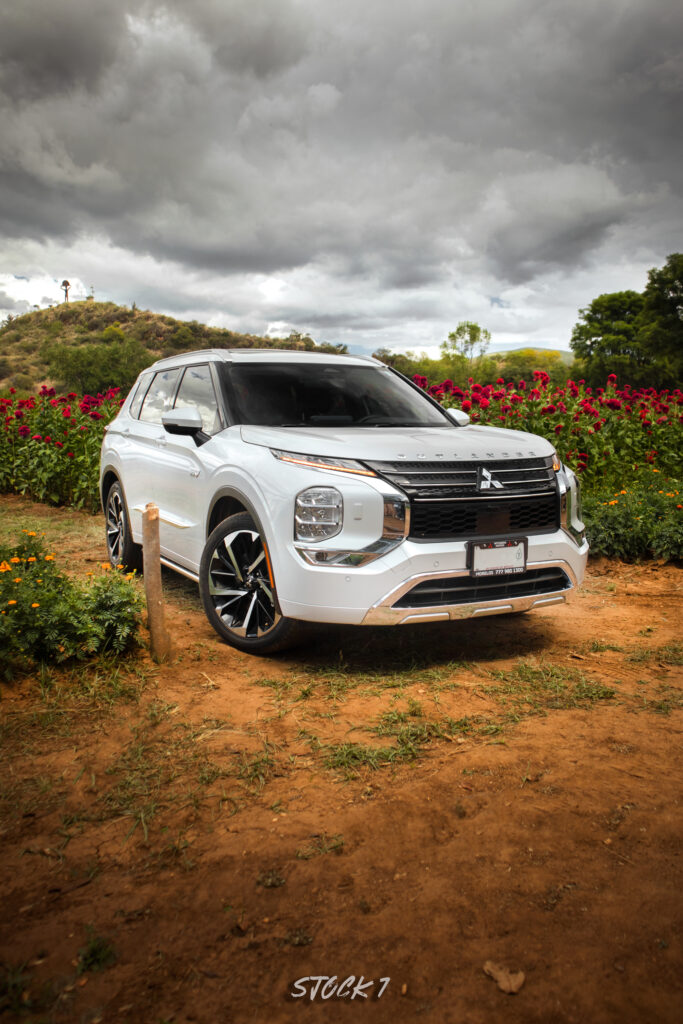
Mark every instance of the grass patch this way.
pixel 667 654
pixel 534 688
pixel 97 953
pixel 321 845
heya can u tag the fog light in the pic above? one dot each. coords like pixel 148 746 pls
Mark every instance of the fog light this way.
pixel 318 513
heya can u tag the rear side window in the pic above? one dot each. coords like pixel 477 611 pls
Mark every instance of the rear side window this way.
pixel 140 393
pixel 196 389
pixel 159 398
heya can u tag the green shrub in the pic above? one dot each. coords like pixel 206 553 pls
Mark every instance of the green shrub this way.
pixel 645 520
pixel 45 616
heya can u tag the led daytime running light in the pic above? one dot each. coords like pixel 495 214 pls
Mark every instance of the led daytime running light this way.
pixel 319 462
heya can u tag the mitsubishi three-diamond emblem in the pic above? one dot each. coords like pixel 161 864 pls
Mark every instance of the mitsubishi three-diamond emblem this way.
pixel 486 482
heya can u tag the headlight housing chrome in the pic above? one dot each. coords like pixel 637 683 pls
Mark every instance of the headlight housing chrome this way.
pixel 318 513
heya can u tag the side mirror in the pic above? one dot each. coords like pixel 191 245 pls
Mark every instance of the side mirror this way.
pixel 186 421
pixel 459 417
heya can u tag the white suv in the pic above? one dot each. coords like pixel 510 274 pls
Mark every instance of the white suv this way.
pixel 299 486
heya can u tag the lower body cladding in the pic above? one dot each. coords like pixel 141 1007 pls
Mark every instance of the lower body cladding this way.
pixel 419 582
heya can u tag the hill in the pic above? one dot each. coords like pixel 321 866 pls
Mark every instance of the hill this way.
pixel 89 346
pixel 540 354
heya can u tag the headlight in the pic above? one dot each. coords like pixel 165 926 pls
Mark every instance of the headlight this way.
pixel 318 513
pixel 322 462
pixel 557 465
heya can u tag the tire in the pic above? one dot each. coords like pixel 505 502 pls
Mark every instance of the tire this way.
pixel 121 548
pixel 238 592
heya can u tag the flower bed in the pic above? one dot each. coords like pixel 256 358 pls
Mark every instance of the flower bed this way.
pixel 50 445
pixel 605 435
pixel 45 616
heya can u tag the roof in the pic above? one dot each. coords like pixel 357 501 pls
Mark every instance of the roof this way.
pixel 260 355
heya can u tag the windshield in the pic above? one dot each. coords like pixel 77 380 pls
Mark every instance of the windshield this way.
pixel 326 395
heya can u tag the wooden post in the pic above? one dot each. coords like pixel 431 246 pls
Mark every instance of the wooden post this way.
pixel 160 641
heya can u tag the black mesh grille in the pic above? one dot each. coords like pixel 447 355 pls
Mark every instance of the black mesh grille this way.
pixel 432 520
pixel 472 590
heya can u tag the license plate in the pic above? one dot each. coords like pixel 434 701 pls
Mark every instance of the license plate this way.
pixel 498 558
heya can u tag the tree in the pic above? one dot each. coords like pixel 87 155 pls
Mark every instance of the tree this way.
pixel 468 340
pixel 661 330
pixel 606 339
pixel 638 337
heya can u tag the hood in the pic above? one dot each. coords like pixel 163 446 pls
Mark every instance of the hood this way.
pixel 472 443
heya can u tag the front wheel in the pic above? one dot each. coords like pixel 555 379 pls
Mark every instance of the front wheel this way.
pixel 238 590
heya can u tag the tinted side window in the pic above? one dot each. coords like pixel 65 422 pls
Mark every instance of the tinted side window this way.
pixel 196 389
pixel 159 398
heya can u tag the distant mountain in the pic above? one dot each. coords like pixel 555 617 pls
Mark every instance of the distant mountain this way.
pixel 35 346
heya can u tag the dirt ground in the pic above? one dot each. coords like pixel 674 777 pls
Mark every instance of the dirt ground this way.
pixel 184 842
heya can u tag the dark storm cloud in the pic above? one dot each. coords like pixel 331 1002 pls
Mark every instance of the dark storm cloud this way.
pixel 383 146
pixel 48 48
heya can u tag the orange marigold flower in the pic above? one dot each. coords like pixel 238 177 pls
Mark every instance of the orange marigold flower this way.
pixel 615 502
pixel 105 565
pixel 31 533
pixel 49 558
pixel 4 567
pixel 11 602
pixel 31 558
pixel 15 560
pixel 35 605
pixel 17 579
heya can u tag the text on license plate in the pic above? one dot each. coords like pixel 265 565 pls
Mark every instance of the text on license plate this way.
pixel 498 558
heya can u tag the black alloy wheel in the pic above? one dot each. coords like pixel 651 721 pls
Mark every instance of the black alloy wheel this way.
pixel 238 590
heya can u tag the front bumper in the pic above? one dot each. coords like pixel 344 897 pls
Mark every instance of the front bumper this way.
pixel 385 612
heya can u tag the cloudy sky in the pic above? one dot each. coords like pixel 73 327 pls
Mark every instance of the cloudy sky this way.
pixel 370 171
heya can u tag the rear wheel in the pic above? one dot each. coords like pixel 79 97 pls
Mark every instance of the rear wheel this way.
pixel 238 590
pixel 121 548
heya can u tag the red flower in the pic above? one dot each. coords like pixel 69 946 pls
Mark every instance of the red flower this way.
pixel 36 437
pixel 466 405
pixel 24 430
pixel 12 391
pixel 66 412
pixel 548 409
pixel 69 455
pixel 581 466
pixel 612 379
pixel 559 428
pixel 484 403
pixel 58 444
pixel 500 380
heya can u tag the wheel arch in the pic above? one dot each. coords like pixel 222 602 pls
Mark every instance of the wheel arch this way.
pixel 228 502
pixel 109 477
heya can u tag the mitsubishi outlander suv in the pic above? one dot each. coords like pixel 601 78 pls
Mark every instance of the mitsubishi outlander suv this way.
pixel 305 487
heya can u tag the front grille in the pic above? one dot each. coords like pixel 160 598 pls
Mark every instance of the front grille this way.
pixel 473 590
pixel 460 500
pixel 479 517
pixel 459 479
